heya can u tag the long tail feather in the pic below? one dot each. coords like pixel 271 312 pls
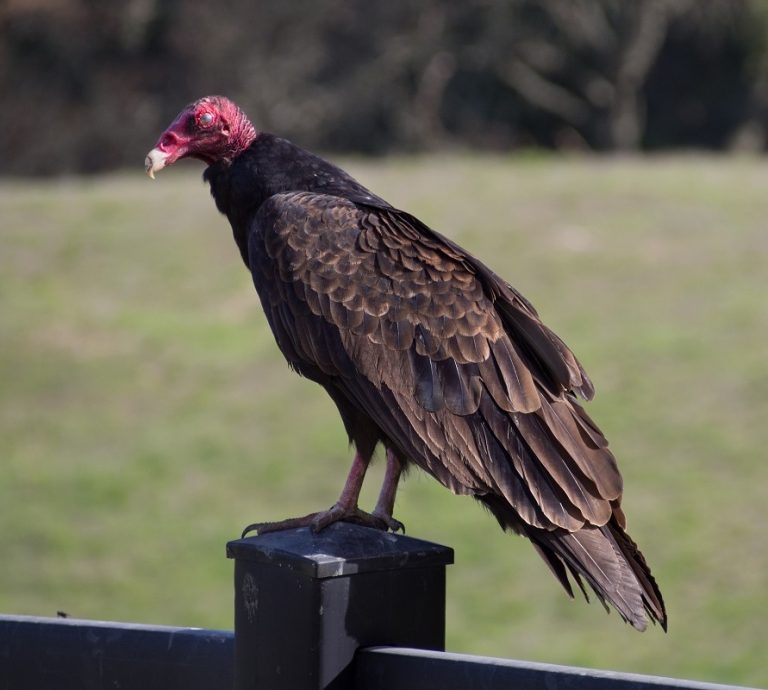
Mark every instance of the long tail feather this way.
pixel 605 557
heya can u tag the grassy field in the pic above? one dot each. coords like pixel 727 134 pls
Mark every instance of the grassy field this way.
pixel 146 416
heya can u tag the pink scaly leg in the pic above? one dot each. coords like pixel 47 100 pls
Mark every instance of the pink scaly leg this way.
pixel 385 505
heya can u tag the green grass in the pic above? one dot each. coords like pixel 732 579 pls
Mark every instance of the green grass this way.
pixel 146 416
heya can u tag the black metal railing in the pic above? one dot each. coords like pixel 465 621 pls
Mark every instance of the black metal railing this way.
pixel 72 654
pixel 347 609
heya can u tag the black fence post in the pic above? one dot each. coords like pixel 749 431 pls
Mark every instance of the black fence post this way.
pixel 304 603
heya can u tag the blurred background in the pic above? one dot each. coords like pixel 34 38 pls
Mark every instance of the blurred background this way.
pixel 92 82
pixel 605 156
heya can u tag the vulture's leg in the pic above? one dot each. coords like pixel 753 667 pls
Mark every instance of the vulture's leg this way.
pixel 345 509
pixel 386 503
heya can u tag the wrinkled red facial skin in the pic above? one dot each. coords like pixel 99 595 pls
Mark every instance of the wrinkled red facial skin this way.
pixel 211 129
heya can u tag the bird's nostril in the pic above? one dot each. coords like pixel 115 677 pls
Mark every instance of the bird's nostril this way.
pixel 168 140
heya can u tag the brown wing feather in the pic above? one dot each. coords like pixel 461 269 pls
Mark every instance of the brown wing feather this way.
pixel 549 359
pixel 456 370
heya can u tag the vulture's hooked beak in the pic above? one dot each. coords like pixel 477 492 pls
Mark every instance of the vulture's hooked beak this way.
pixel 156 160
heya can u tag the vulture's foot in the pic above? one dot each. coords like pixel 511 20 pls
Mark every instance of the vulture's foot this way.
pixel 342 513
pixel 336 513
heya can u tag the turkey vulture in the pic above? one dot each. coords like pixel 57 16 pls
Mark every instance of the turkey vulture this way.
pixel 423 349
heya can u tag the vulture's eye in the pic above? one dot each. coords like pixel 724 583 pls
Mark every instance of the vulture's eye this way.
pixel 206 119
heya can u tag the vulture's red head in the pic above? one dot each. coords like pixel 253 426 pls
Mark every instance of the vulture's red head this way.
pixel 211 129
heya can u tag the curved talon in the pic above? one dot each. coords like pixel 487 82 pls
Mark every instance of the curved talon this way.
pixel 250 528
pixel 393 525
